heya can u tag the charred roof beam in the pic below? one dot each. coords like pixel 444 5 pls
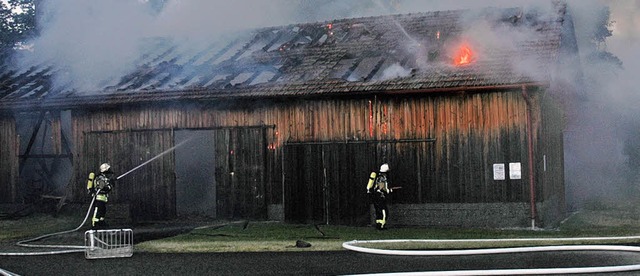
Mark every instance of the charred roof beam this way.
pixel 272 42
pixel 22 80
pixel 375 69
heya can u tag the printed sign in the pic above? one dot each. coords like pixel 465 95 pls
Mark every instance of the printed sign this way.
pixel 498 171
pixel 515 171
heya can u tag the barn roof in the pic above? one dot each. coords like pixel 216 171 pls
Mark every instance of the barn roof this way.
pixel 396 53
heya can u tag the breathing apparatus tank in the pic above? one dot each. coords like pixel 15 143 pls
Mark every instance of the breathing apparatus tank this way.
pixel 92 176
pixel 372 178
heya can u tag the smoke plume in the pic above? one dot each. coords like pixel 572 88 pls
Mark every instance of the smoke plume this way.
pixel 603 141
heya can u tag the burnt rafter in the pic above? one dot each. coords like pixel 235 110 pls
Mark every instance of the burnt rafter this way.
pixel 351 68
pixel 5 83
pixel 220 53
pixel 21 81
pixel 272 41
pixel 375 69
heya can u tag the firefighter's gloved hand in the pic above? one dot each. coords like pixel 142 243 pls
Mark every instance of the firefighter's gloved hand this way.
pixel 91 191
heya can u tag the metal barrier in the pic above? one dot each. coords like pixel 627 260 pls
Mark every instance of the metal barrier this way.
pixel 110 243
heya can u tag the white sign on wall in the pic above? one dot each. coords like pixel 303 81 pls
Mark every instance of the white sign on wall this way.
pixel 515 170
pixel 498 171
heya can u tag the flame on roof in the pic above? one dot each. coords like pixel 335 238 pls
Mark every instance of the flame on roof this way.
pixel 464 55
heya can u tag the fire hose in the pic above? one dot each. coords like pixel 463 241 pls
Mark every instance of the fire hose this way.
pixel 70 248
pixel 354 246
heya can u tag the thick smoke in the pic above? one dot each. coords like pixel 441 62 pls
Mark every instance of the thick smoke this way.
pixel 96 41
pixel 92 40
pixel 603 140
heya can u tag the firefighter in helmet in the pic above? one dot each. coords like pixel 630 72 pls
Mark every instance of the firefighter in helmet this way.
pixel 99 186
pixel 378 190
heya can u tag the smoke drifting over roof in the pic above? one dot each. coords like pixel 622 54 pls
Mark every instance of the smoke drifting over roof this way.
pixel 97 41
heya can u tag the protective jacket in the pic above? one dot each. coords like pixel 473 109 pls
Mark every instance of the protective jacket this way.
pixel 102 184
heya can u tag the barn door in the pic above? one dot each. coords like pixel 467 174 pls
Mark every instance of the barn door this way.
pixel 240 172
pixel 195 170
pixel 143 157
pixel 325 182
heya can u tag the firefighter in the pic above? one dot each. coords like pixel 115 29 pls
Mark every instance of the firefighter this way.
pixel 99 186
pixel 378 190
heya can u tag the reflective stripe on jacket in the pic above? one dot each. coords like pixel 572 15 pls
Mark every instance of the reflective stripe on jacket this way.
pixel 102 197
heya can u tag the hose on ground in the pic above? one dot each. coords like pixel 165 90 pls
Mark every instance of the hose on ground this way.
pixel 69 248
pixel 354 246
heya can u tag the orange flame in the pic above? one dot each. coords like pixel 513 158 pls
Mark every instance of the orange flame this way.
pixel 330 29
pixel 463 56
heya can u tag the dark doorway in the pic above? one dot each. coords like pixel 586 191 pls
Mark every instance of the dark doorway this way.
pixel 195 171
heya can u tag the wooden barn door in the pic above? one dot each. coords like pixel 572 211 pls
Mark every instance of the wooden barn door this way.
pixel 148 187
pixel 240 172
pixel 325 182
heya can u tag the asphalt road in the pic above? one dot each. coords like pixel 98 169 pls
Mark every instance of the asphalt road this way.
pixel 300 263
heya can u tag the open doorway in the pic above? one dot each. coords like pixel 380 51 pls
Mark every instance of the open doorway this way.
pixel 195 171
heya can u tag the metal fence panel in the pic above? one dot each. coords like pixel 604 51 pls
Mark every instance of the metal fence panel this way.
pixel 110 243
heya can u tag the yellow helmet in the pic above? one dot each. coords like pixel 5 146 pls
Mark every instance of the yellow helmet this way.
pixel 104 167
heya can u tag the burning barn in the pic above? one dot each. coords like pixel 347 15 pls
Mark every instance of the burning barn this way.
pixel 286 123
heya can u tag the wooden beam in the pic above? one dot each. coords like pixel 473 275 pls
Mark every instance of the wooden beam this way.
pixel 32 139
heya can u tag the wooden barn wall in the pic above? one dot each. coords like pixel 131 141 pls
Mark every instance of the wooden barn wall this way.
pixel 441 150
pixel 8 160
pixel 549 163
pixel 471 132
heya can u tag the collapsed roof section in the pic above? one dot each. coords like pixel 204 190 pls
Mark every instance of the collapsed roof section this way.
pixel 409 52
